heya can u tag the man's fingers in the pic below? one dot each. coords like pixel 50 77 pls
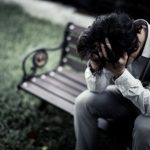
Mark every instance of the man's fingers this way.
pixel 103 51
pixel 108 43
pixel 100 53
pixel 125 55
pixel 123 60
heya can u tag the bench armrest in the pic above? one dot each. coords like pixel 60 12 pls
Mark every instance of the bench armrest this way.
pixel 39 60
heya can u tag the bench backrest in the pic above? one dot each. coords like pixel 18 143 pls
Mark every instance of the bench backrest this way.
pixel 69 53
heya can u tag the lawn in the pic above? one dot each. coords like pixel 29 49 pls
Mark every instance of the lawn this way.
pixel 23 125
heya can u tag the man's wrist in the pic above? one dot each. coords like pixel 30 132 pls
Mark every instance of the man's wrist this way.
pixel 93 70
pixel 94 67
pixel 119 73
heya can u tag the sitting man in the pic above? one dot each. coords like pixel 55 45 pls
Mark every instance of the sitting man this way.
pixel 118 80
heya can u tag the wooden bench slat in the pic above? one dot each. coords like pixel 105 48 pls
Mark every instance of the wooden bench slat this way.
pixel 68 82
pixel 76 30
pixel 78 66
pixel 62 86
pixel 72 39
pixel 55 90
pixel 49 97
pixel 71 50
pixel 77 77
pixel 76 34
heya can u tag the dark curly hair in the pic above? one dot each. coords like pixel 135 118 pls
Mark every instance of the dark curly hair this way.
pixel 119 28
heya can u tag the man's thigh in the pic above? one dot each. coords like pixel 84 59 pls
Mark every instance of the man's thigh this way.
pixel 109 104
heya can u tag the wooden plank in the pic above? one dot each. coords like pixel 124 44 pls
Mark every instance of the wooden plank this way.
pixel 55 90
pixel 49 97
pixel 77 65
pixel 72 39
pixel 68 82
pixel 76 29
pixel 76 34
pixel 77 77
pixel 71 50
pixel 61 86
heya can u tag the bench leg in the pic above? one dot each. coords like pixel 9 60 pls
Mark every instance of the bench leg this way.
pixel 43 105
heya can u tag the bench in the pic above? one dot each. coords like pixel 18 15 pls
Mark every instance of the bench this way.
pixel 62 84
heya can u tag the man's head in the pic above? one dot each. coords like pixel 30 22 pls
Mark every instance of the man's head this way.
pixel 120 30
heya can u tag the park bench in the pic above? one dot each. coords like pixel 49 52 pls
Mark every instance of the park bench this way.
pixel 62 84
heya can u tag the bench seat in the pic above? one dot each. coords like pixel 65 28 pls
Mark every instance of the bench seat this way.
pixel 60 88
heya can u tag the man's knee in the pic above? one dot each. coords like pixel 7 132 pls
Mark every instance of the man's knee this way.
pixel 142 128
pixel 83 100
pixel 142 124
pixel 113 89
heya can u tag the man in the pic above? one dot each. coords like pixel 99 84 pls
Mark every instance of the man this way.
pixel 118 80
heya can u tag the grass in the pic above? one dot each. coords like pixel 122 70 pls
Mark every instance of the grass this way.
pixel 22 124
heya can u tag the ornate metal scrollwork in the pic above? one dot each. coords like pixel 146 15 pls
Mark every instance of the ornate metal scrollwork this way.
pixel 40 58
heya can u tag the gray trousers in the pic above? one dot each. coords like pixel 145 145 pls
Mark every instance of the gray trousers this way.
pixel 109 104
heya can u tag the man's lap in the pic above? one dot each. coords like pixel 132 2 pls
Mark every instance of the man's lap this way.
pixel 109 104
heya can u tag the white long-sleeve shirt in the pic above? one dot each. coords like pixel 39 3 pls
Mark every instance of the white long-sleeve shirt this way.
pixel 130 87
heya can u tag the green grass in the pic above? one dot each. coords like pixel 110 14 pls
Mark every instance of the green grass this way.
pixel 23 125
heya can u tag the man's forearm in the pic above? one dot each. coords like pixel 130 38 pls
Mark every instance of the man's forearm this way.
pixel 132 89
pixel 96 81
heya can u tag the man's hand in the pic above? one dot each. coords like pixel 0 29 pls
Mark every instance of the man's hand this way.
pixel 118 68
pixel 95 63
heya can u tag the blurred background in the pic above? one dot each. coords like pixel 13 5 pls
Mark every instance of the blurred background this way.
pixel 24 26
pixel 136 8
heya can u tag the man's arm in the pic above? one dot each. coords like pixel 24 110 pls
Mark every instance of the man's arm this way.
pixel 130 87
pixel 133 90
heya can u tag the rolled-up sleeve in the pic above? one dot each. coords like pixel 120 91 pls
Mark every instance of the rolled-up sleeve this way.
pixel 132 89
pixel 97 82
